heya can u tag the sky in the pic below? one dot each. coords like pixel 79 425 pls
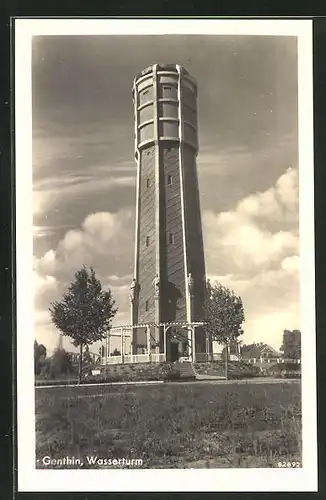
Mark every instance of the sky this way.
pixel 84 173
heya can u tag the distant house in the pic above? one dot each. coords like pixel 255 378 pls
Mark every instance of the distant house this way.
pixel 259 351
pixel 219 351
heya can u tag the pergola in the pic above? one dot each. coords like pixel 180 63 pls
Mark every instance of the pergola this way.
pixel 124 331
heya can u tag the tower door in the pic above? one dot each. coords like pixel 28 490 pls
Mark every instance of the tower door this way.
pixel 174 351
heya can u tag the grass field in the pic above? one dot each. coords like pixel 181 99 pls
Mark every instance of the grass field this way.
pixel 177 425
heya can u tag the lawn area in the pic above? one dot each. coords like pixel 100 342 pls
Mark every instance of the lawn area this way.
pixel 178 425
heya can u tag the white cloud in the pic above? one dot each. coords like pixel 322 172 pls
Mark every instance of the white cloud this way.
pixel 287 188
pixel 279 203
pixel 246 251
pixel 44 285
pixel 260 205
pixel 242 238
pixel 104 241
pixel 291 264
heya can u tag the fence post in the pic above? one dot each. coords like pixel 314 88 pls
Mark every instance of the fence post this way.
pixel 193 342
pixel 122 354
pixel 148 343
pixel 164 340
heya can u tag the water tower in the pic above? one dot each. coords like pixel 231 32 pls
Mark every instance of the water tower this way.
pixel 169 266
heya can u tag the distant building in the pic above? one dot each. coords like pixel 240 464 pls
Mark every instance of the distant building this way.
pixel 258 351
pixel 291 346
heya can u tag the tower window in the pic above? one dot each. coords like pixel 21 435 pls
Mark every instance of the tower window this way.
pixel 146 305
pixel 148 183
pixel 167 87
pixel 147 241
pixel 171 239
pixel 169 180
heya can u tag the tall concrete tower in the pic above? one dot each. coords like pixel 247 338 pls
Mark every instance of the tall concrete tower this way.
pixel 169 268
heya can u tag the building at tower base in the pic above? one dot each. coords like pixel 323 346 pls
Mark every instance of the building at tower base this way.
pixel 169 267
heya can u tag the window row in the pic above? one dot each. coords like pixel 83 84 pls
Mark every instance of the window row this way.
pixel 171 239
pixel 169 181
pixel 167 91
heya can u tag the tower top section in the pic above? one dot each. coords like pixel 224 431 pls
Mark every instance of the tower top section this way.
pixel 165 105
pixel 165 68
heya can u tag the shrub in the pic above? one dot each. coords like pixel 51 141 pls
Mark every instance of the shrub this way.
pixel 39 357
pixel 236 369
pixel 128 372
pixel 284 370
pixel 59 364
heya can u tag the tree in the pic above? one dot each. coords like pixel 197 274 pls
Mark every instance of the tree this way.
pixel 224 315
pixel 39 356
pixel 85 311
pixel 291 346
pixel 116 352
pixel 60 363
pixel 233 349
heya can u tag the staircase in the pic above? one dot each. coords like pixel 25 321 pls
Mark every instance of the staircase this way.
pixel 186 370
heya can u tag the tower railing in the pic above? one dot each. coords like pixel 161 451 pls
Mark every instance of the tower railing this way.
pixel 125 331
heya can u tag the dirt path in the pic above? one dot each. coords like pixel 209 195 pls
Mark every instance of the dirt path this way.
pixel 210 381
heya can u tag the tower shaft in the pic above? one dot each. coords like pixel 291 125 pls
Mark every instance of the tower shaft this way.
pixel 168 238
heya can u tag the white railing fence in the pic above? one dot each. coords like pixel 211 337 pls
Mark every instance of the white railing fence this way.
pixel 134 358
pixel 271 360
pixel 200 357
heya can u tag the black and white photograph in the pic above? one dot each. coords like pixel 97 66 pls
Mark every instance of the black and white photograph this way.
pixel 165 255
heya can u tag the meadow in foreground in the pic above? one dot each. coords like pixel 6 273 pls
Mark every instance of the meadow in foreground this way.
pixel 180 425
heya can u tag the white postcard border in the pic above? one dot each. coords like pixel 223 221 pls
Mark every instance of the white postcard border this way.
pixel 31 479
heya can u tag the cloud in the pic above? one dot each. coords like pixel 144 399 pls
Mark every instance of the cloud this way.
pixel 247 251
pixel 45 285
pixel 270 299
pixel 278 203
pixel 243 239
pixel 244 251
pixel 104 241
pixel 291 264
